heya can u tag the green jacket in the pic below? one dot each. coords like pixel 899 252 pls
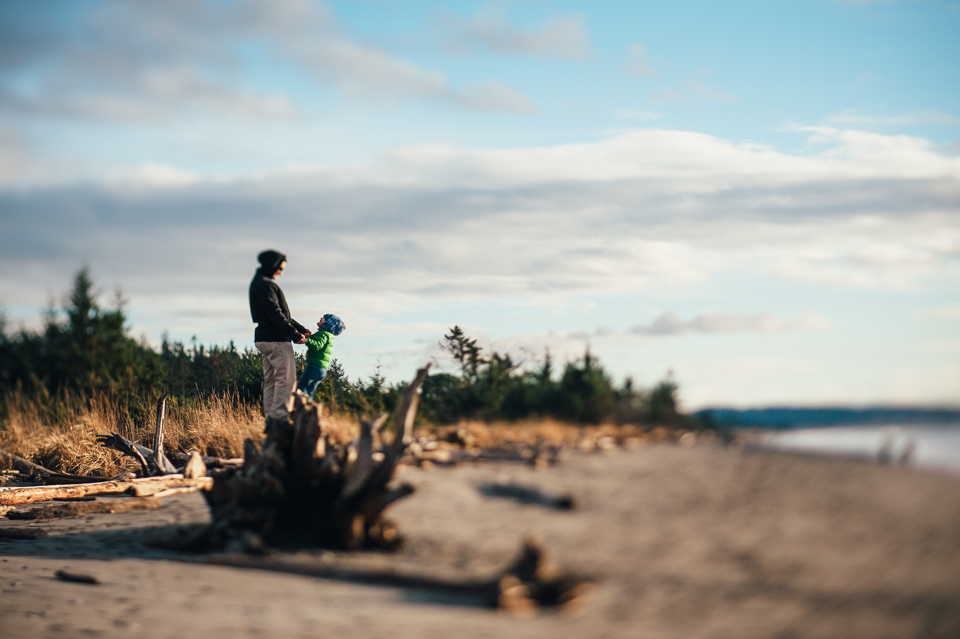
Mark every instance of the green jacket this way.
pixel 319 347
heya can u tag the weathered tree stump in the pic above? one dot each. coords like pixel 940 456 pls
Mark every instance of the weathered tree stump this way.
pixel 303 489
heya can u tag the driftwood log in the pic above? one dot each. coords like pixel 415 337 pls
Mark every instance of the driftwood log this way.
pixel 152 461
pixel 25 466
pixel 525 494
pixel 35 471
pixel 530 583
pixel 30 534
pixel 137 487
pixel 82 508
pixel 76 577
pixel 303 489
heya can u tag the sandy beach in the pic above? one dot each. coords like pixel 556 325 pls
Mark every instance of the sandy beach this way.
pixel 682 542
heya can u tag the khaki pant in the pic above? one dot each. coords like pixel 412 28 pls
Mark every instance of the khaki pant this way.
pixel 279 376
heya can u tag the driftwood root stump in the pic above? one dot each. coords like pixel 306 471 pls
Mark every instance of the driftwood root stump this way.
pixel 303 489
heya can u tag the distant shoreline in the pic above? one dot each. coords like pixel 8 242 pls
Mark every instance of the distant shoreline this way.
pixel 927 446
pixel 819 417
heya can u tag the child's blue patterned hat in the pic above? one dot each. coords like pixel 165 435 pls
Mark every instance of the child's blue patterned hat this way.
pixel 333 324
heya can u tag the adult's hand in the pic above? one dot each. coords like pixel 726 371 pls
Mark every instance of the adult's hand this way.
pixel 302 340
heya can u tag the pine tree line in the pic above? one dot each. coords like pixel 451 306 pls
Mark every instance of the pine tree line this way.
pixel 492 387
pixel 84 349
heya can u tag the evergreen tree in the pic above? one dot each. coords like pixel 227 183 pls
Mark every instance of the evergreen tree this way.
pixel 83 347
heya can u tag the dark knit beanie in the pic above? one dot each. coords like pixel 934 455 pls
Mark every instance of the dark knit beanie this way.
pixel 270 261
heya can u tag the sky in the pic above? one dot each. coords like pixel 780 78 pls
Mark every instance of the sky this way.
pixel 761 199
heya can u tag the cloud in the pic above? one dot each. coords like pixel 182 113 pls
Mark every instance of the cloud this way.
pixel 874 153
pixel 669 94
pixel 649 210
pixel 186 86
pixel 150 175
pixel 493 96
pixel 632 114
pixel 946 313
pixel 14 159
pixel 867 79
pixel 857 117
pixel 365 71
pixel 692 89
pixel 668 323
pixel 151 61
pixel 699 88
pixel 638 64
pixel 140 61
pixel 529 348
pixel 558 38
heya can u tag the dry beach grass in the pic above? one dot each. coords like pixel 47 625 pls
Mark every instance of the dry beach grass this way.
pixel 60 433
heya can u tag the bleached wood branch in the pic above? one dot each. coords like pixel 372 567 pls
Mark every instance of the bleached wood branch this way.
pixel 139 487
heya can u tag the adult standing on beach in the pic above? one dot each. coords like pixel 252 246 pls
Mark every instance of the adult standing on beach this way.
pixel 275 334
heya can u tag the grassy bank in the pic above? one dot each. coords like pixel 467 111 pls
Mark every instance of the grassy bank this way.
pixel 59 432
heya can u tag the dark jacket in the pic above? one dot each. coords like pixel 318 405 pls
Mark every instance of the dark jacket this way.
pixel 269 310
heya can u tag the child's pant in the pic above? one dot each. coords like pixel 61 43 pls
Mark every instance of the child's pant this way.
pixel 311 378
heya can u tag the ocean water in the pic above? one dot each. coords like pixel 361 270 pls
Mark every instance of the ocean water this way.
pixel 934 447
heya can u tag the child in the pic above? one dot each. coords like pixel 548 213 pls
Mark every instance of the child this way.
pixel 319 346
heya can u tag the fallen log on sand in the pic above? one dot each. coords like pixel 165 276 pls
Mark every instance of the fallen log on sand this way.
pixel 23 465
pixel 29 469
pixel 138 487
pixel 30 534
pixel 529 495
pixel 78 509
pixel 152 460
pixel 531 582
pixel 76 577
